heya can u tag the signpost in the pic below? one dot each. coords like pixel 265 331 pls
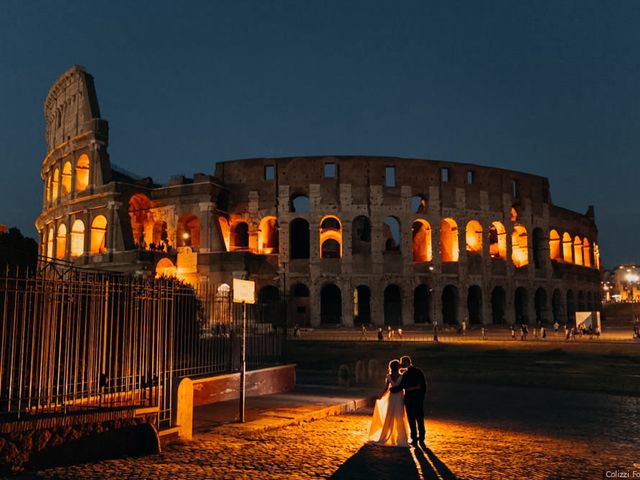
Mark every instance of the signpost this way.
pixel 244 291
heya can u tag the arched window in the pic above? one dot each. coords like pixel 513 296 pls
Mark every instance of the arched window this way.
pixel 82 173
pixel 77 239
pixel 555 252
pixel 66 179
pixel 330 237
pixel 268 236
pixel 422 248
pixel 474 238
pixel 330 304
pixel 188 231
pixel 577 250
pixel 391 234
pixel 567 248
pixel 361 235
pixel 586 252
pixel 538 248
pixel 240 236
pixel 225 230
pixel 519 246
pixel 361 305
pixel 449 248
pixel 50 239
pixel 55 185
pixel 392 305
pixel 142 219
pixel 165 268
pixel 497 241
pixel 418 204
pixel 98 243
pixel 300 204
pixel 47 191
pixel 299 238
pixel 61 241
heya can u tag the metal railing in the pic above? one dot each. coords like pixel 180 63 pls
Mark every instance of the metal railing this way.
pixel 73 340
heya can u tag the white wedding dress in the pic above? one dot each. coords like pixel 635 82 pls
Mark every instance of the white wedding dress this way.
pixel 389 425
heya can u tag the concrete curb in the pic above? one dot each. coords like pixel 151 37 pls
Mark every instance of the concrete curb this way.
pixel 276 422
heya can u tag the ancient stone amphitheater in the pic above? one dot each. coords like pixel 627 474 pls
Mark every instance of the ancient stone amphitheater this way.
pixel 348 239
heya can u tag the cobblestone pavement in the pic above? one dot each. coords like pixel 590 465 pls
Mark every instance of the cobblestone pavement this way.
pixel 335 447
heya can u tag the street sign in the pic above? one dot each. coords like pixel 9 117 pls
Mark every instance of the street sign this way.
pixel 244 291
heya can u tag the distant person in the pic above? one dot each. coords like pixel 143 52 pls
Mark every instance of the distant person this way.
pixel 535 333
pixel 435 331
pixel 556 326
pixel 400 333
pixel 380 334
pixel 296 330
pixel 513 333
pixel 543 333
pixel 464 326
pixel 567 332
pixel 389 332
pixel 363 332
pixel 483 331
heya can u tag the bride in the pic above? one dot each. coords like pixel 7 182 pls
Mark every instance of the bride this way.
pixel 389 425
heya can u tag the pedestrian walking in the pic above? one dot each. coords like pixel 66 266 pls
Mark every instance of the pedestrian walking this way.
pixel 464 326
pixel 556 326
pixel 513 333
pixel 400 333
pixel 363 332
pixel 535 333
pixel 435 331
pixel 380 334
pixel 543 333
pixel 389 332
pixel 484 336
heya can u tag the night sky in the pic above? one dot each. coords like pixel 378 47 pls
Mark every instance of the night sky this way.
pixel 550 88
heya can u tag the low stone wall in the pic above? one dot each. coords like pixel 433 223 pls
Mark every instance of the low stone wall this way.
pixel 73 438
pixel 259 382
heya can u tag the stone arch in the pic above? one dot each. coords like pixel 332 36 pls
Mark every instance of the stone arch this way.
pixel 422 304
pixel 188 231
pixel 498 305
pixel 300 203
pixel 391 234
pixel 519 246
pixel 141 218
pixel 240 236
pixel 76 246
pixel 539 248
pixel 299 309
pixel 98 241
pixel 50 242
pixel 362 305
pixel 268 294
pixel 497 241
pixel 299 239
pixel 586 252
pixel 268 238
pixel 422 248
pixel 418 204
pixel 474 305
pixel 55 184
pixel 540 302
pixel 567 248
pixel 392 305
pixel 577 251
pixel 571 308
pixel 449 247
pixel 361 235
pixel 165 268
pixel 521 303
pixel 450 305
pixel 555 250
pixel 330 304
pixel 474 237
pixel 82 173
pixel 581 301
pixel 557 306
pixel 330 237
pixel 61 241
pixel 67 175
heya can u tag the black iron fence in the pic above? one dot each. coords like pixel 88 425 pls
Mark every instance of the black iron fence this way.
pixel 73 340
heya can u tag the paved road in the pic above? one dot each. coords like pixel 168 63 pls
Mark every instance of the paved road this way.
pixel 472 433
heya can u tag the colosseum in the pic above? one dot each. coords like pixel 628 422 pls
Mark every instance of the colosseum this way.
pixel 348 239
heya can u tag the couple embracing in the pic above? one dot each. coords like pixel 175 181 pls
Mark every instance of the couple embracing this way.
pixel 400 407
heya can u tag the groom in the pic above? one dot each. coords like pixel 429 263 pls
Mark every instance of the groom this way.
pixel 415 387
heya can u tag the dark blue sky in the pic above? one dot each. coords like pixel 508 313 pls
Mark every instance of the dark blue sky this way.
pixel 551 88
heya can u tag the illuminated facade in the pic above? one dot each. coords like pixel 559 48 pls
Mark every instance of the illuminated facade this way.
pixel 348 239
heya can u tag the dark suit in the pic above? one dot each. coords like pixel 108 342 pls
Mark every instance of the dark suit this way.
pixel 414 400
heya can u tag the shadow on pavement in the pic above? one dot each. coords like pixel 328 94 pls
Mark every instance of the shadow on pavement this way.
pixel 432 467
pixel 377 462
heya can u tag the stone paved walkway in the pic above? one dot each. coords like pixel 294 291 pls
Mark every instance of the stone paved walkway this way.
pixel 335 447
